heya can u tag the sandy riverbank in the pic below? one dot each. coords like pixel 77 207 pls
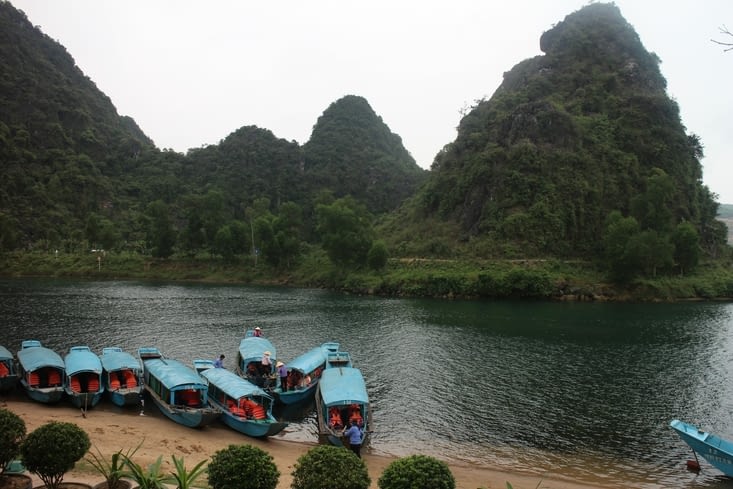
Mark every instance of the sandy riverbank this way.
pixel 110 431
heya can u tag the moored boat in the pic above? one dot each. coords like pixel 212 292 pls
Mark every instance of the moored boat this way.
pixel 252 349
pixel 83 383
pixel 304 372
pixel 244 406
pixel 178 391
pixel 41 372
pixel 8 370
pixel 121 376
pixel 341 396
pixel 718 451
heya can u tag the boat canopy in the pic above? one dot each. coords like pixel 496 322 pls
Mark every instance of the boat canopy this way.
pixel 342 386
pixel 309 361
pixel 173 374
pixel 252 348
pixel 232 384
pixel 82 359
pixel 35 357
pixel 114 358
pixel 5 353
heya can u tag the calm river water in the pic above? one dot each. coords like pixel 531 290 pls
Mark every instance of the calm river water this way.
pixel 539 387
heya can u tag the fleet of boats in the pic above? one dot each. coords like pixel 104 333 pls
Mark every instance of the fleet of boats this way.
pixel 196 396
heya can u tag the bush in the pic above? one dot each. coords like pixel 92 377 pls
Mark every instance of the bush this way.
pixel 377 256
pixel 52 450
pixel 243 467
pixel 329 467
pixel 12 432
pixel 417 472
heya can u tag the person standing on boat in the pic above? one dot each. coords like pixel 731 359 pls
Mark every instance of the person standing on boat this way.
pixel 258 331
pixel 353 433
pixel 282 371
pixel 219 362
pixel 266 364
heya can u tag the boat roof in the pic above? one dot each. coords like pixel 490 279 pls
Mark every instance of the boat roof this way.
pixel 309 361
pixel 343 385
pixel 252 348
pixel 231 383
pixel 35 356
pixel 5 353
pixel 115 358
pixel 82 359
pixel 173 374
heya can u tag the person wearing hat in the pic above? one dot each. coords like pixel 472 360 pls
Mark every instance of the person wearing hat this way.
pixel 282 371
pixel 258 331
pixel 266 363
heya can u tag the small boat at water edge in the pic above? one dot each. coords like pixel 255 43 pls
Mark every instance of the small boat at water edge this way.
pixel 249 360
pixel 83 382
pixel 121 376
pixel 178 391
pixel 716 450
pixel 304 373
pixel 42 372
pixel 8 370
pixel 244 406
pixel 341 396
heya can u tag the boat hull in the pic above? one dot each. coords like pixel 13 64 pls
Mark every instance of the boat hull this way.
pixel 125 397
pixel 253 428
pixel 45 395
pixel 85 400
pixel 717 451
pixel 298 395
pixel 342 390
pixel 191 417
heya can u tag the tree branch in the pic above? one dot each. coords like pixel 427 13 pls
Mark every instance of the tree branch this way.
pixel 729 45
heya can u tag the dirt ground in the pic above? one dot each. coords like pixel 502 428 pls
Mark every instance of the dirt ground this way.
pixel 111 431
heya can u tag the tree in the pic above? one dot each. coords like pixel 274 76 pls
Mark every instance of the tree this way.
pixel 52 449
pixel 727 45
pixel 417 472
pixel 619 231
pixel 12 432
pixel 329 467
pixel 243 466
pixel 160 235
pixel 686 242
pixel 345 230
pixel 378 255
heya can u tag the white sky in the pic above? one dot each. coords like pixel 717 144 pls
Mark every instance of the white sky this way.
pixel 192 72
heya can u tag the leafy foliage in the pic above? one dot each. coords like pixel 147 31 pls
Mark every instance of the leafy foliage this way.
pixel 243 467
pixel 417 472
pixel 329 467
pixel 12 432
pixel 112 468
pixel 185 478
pixel 52 449
pixel 345 230
pixel 150 477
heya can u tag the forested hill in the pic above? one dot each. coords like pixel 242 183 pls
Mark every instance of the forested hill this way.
pixel 76 175
pixel 568 138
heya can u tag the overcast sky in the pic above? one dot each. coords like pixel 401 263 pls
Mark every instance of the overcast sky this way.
pixel 192 72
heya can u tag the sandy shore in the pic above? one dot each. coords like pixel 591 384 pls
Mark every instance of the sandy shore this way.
pixel 111 431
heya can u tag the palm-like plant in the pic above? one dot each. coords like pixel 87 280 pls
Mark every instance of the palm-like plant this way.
pixel 185 478
pixel 151 477
pixel 111 469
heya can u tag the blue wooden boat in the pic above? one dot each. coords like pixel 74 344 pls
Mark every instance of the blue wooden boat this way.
pixel 716 450
pixel 42 372
pixel 249 361
pixel 244 406
pixel 341 396
pixel 178 391
pixel 121 376
pixel 83 382
pixel 8 370
pixel 304 372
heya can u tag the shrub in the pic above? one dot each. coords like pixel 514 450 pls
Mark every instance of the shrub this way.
pixel 417 472
pixel 52 449
pixel 242 466
pixel 184 477
pixel 111 469
pixel 329 467
pixel 12 432
pixel 151 477
pixel 377 256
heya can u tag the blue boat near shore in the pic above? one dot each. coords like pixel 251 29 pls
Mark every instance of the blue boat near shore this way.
pixel 83 382
pixel 717 451
pixel 341 396
pixel 121 376
pixel 304 372
pixel 179 392
pixel 42 372
pixel 245 407
pixel 252 349
pixel 8 370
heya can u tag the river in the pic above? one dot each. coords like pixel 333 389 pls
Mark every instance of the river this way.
pixel 531 386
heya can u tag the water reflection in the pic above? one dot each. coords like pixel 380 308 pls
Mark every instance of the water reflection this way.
pixel 541 387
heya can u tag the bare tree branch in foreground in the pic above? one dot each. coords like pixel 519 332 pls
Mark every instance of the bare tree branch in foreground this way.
pixel 728 45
